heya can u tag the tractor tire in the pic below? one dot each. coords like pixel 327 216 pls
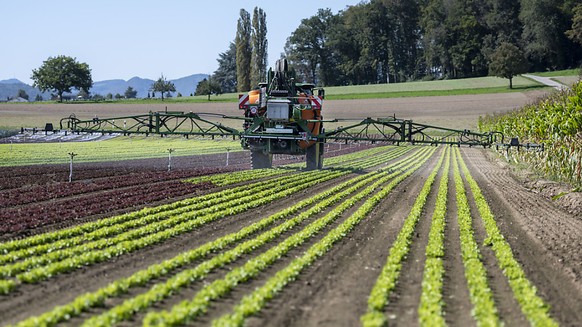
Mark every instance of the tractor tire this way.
pixel 260 160
pixel 314 156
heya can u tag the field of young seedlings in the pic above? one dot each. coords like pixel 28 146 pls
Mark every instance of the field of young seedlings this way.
pixel 397 235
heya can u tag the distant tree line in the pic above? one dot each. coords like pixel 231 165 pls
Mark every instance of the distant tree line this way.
pixel 63 74
pixel 383 41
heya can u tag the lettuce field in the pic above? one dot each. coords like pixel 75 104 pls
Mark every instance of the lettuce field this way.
pixel 384 235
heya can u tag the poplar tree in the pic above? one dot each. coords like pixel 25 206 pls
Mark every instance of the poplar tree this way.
pixel 259 47
pixel 243 52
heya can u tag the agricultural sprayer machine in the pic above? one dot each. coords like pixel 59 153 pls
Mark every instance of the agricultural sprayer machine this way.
pixel 283 117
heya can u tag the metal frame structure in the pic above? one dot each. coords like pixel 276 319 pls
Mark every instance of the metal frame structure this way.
pixel 390 129
pixel 162 123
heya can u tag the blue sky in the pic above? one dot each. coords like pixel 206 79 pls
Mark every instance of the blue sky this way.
pixel 127 38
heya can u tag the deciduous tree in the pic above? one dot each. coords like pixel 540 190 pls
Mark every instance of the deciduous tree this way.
pixel 575 33
pixel 130 93
pixel 507 61
pixel 163 86
pixel 61 74
pixel 208 87
pixel 225 75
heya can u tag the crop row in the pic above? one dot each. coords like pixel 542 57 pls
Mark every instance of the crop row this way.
pixel 114 225
pixel 430 310
pixel 231 178
pixel 117 220
pixel 389 274
pixel 117 225
pixel 253 302
pixel 154 233
pixel 154 230
pixel 9 198
pixel 319 202
pixel 532 306
pixel 35 215
pixel 120 148
pixel 555 121
pixel 480 293
pixel 184 278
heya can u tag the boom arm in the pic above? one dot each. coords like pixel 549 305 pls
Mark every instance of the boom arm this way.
pixel 164 123
pixel 374 130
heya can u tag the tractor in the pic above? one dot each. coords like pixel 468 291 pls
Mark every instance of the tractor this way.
pixel 283 117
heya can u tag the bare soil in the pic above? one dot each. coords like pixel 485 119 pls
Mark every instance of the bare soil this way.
pixel 456 111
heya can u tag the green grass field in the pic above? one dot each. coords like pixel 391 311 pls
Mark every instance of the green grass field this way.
pixel 120 148
pixel 556 73
pixel 478 85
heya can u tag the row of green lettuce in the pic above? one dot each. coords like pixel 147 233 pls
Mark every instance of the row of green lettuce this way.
pixel 556 122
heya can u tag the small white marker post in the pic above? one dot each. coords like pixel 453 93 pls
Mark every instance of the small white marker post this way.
pixel 227 155
pixel 170 159
pixel 72 155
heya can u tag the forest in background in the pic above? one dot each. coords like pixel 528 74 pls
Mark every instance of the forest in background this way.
pixel 386 41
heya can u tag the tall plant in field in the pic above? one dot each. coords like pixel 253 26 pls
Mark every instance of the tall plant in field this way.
pixel 555 121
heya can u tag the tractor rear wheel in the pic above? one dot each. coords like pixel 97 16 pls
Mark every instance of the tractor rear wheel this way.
pixel 260 160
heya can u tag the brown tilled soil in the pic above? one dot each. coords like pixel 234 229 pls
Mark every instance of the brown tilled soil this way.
pixel 455 111
pixel 546 241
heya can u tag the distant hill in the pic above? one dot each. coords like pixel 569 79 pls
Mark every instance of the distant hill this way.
pixel 9 89
pixel 185 85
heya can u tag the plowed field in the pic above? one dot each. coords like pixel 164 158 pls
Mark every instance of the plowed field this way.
pixel 287 247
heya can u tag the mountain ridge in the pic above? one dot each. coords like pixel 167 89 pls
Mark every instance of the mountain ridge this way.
pixel 185 85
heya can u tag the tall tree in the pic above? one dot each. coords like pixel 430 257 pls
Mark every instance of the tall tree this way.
pixel 508 61
pixel 435 38
pixel 307 49
pixel 243 52
pixel 163 86
pixel 259 47
pixel 501 19
pixel 546 44
pixel 347 41
pixel 61 74
pixel 575 33
pixel 467 32
pixel 403 39
pixel 225 75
